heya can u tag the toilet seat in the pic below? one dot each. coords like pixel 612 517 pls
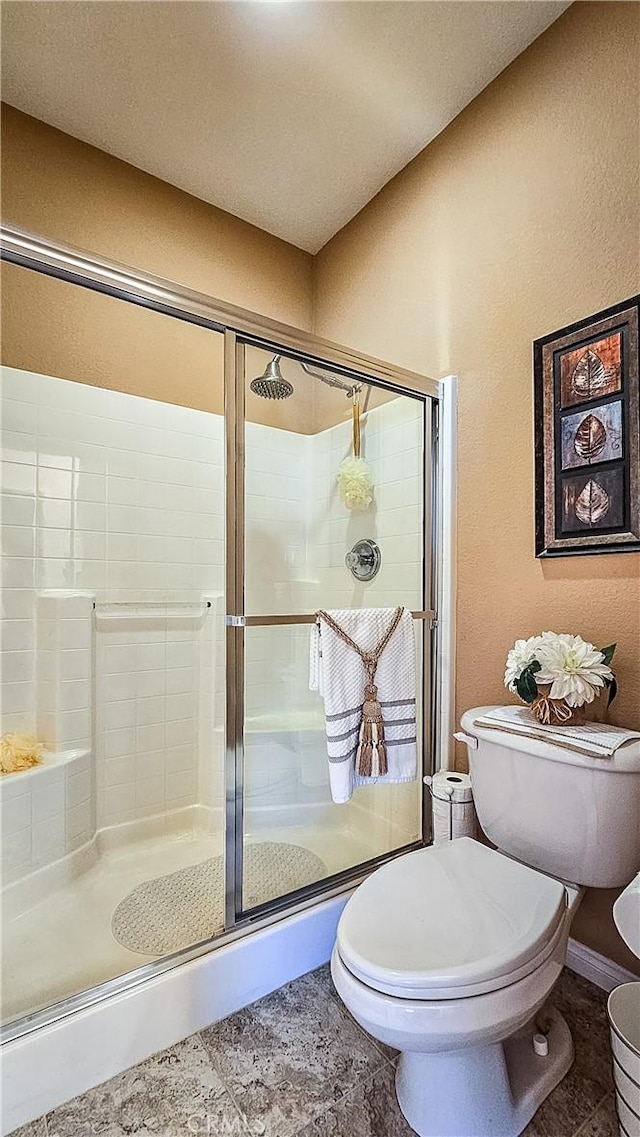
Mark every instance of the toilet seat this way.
pixel 449 922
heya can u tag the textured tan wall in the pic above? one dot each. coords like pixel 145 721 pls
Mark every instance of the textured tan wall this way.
pixel 64 189
pixel 56 186
pixel 523 216
pixel 54 328
pixel 51 327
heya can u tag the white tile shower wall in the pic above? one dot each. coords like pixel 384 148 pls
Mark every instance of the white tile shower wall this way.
pixel 124 496
pixel 392 446
pixel 147 716
pixel 49 811
pixel 277 493
pixel 64 669
pixel 46 813
pixel 298 534
pixel 211 751
pixel 288 767
pixel 278 566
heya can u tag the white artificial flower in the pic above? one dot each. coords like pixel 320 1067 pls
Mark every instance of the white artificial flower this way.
pixel 574 669
pixel 521 655
pixel 355 484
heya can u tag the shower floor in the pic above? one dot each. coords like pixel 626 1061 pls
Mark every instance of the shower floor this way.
pixel 64 944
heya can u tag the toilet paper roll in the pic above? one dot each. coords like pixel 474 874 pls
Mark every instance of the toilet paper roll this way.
pixel 449 785
pixel 452 804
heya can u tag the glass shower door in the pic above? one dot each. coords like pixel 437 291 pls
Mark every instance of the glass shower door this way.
pixel 298 533
pixel 113 644
pixel 160 592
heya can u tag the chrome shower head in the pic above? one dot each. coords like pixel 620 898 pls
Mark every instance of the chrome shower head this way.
pixel 272 384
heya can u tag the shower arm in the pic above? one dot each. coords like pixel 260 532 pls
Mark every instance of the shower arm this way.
pixel 330 381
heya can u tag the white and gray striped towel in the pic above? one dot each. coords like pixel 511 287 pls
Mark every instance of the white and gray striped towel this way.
pixel 337 672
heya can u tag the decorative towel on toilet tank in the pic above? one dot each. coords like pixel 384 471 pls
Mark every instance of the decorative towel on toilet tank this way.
pixel 363 664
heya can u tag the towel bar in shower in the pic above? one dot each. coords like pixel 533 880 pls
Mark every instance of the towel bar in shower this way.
pixel 150 610
pixel 305 618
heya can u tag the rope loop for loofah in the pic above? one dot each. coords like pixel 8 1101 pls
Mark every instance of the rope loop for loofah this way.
pixel 356 424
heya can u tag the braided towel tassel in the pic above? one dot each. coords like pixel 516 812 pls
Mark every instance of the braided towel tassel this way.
pixel 371 758
pixel 371 753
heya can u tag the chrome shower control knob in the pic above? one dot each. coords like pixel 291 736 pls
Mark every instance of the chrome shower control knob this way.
pixel 364 559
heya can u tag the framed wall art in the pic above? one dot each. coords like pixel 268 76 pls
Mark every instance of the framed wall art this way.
pixel 587 435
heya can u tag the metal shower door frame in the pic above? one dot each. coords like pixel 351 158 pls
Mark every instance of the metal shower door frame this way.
pixel 237 620
pixel 99 274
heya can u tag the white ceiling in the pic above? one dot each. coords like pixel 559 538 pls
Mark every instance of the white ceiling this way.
pixel 291 115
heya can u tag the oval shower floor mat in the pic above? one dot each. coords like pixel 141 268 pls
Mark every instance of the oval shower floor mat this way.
pixel 184 907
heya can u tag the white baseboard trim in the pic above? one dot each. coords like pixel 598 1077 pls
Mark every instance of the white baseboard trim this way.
pixel 597 968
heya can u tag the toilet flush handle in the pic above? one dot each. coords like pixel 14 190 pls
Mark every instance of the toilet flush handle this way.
pixel 468 739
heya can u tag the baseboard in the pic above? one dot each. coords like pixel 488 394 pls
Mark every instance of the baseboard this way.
pixel 597 968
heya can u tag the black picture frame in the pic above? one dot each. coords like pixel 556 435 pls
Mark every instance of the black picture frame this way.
pixel 587 435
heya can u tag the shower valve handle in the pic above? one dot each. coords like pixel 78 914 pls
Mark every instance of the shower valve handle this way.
pixel 355 560
pixel 364 559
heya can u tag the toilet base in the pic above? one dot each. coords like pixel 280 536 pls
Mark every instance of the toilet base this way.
pixel 483 1091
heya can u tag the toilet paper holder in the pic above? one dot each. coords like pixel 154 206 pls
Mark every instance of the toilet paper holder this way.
pixel 453 811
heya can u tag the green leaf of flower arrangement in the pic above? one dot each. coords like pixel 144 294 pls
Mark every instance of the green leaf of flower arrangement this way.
pixel 526 685
pixel 608 652
pixel 613 690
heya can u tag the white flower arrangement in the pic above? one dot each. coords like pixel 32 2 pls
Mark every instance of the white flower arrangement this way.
pixel 566 666
pixel 355 484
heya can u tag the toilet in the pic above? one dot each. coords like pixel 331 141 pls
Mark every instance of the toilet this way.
pixel 449 954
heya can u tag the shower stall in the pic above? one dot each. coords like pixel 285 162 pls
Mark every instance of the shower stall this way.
pixel 172 522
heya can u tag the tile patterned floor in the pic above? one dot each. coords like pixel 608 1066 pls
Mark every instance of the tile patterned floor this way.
pixel 296 1065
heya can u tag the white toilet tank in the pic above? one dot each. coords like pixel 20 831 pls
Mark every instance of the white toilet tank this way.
pixel 575 817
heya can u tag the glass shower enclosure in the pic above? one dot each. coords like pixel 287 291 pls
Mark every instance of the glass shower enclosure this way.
pixel 172 523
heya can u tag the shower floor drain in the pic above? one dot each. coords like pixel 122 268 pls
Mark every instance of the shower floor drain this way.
pixel 184 907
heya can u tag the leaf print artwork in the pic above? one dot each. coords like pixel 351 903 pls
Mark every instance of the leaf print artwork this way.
pixel 587 437
pixel 590 376
pixel 592 504
pixel 591 438
pixel 591 370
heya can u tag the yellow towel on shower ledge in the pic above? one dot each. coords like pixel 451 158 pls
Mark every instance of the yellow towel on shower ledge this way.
pixel 19 752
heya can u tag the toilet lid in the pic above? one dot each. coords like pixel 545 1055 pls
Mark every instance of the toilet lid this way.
pixel 451 921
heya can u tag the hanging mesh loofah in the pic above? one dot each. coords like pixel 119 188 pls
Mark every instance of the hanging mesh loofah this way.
pixel 355 484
